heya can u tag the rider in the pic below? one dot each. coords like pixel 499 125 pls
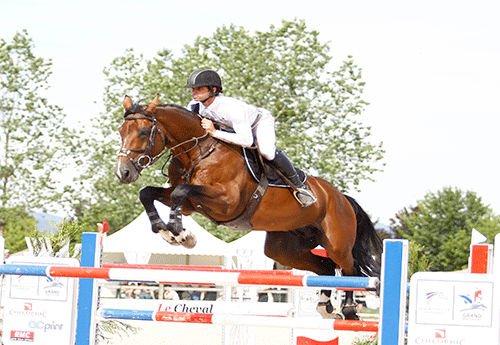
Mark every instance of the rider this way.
pixel 247 121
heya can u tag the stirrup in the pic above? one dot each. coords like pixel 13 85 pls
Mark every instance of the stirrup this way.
pixel 304 196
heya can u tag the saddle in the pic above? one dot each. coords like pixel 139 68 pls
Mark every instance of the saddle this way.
pixel 265 177
pixel 257 169
pixel 255 162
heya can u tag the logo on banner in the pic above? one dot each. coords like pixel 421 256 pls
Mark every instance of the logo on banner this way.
pixel 440 338
pixel 22 336
pixel 435 295
pixel 473 301
pixel 54 284
pixel 27 311
pixel 54 287
pixel 188 308
pixel 440 333
pixel 45 326
pixel 472 307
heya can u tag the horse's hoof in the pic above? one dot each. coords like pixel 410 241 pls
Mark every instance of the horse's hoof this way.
pixel 169 237
pixel 350 312
pixel 186 238
pixel 326 310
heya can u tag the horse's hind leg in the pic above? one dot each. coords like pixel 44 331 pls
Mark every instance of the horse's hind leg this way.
pixel 292 250
pixel 339 245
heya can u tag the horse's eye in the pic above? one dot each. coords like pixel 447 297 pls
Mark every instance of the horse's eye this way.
pixel 144 133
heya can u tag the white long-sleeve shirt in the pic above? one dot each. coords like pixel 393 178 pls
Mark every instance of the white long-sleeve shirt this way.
pixel 233 113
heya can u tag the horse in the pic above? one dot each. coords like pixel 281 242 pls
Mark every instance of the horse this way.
pixel 209 176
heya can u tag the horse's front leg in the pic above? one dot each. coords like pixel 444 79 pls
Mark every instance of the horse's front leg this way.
pixel 147 196
pixel 172 232
pixel 174 226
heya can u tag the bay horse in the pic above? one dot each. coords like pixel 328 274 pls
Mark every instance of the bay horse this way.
pixel 209 176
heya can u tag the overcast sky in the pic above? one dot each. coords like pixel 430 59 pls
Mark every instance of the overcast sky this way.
pixel 431 70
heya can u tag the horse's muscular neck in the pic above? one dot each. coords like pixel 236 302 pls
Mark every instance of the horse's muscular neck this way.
pixel 180 127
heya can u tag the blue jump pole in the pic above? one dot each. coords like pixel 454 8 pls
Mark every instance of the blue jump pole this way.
pixel 88 293
pixel 394 277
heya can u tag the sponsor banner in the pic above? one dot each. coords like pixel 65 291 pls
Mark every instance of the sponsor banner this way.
pixel 40 310
pixel 202 307
pixel 454 303
pixel 38 288
pixel 451 308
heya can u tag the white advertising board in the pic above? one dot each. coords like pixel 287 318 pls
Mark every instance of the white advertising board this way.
pixel 40 310
pixel 453 308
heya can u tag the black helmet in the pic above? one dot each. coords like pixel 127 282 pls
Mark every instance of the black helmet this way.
pixel 204 77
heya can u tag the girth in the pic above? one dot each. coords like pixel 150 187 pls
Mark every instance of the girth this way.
pixel 243 221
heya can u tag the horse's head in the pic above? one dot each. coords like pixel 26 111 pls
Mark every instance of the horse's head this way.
pixel 141 140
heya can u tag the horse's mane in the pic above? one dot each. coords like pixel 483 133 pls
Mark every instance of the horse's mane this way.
pixel 138 108
pixel 181 109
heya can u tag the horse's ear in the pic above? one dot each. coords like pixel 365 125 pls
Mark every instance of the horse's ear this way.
pixel 152 106
pixel 127 103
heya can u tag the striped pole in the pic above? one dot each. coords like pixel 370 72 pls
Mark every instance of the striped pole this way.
pixel 195 268
pixel 242 320
pixel 187 277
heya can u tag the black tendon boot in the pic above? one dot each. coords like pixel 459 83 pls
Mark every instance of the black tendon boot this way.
pixel 303 195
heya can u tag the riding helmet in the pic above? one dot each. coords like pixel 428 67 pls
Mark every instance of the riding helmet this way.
pixel 204 77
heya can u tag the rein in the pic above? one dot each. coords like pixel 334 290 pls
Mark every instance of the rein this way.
pixel 147 157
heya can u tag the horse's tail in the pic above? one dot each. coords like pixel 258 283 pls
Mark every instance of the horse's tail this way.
pixel 368 247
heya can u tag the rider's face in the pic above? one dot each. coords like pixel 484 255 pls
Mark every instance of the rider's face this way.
pixel 200 93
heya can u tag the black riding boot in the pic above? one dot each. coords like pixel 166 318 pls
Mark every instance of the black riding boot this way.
pixel 303 195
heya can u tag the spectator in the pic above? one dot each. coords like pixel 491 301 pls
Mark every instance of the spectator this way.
pixel 130 292
pixel 144 293
pixel 170 294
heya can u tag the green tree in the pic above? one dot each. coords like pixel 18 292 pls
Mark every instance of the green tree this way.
pixel 285 70
pixel 33 139
pixel 442 224
pixel 34 143
pixel 15 225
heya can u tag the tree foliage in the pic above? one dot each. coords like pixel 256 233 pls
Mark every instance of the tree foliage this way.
pixel 285 70
pixel 15 225
pixel 33 139
pixel 442 224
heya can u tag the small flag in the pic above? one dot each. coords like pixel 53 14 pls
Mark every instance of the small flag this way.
pixel 105 226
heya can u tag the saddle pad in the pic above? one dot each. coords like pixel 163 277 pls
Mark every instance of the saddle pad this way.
pixel 274 179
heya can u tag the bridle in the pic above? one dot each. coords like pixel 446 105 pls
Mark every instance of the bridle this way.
pixel 146 159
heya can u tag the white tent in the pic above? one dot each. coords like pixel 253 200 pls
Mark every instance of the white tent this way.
pixel 248 252
pixel 136 243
